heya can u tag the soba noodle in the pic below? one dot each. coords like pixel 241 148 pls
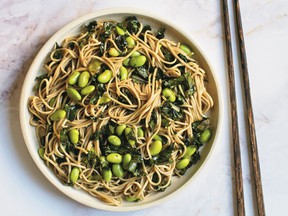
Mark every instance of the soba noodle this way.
pixel 136 102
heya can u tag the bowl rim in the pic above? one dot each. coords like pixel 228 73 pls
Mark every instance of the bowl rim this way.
pixel 43 51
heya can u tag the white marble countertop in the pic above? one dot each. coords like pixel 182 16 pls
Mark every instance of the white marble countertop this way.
pixel 26 25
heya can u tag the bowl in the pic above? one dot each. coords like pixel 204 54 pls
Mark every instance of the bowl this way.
pixel 173 33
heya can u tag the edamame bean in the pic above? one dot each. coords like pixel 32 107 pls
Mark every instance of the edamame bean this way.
pixel 94 66
pixel 140 132
pixel 126 160
pixel 182 163
pixel 41 152
pixel 107 174
pixel 114 158
pixel 52 101
pixel 128 130
pixel 73 78
pixel 58 115
pixel 131 199
pixel 123 73
pixel 117 170
pixel 74 175
pixel 205 136
pixel 105 76
pixel 74 136
pixel 120 129
pixel 87 90
pixel 157 137
pixel 119 30
pixel 113 52
pixel 104 99
pixel 73 94
pixel 186 49
pixel 130 42
pixel 83 79
pixel 114 140
pixel 169 94
pixel 95 177
pixel 156 147
pixel 190 150
pixel 137 61
pixel 135 53
pixel 126 62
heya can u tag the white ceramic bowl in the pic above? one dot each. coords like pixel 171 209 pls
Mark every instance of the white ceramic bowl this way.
pixel 173 33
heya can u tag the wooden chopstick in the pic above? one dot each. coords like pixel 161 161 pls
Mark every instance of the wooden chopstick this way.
pixel 234 117
pixel 249 111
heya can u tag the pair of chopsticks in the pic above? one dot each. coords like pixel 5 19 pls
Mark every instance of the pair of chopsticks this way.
pixel 249 111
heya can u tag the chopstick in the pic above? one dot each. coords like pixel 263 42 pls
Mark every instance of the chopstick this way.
pixel 249 110
pixel 234 117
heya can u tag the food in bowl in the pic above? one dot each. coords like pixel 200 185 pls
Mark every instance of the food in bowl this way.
pixel 120 110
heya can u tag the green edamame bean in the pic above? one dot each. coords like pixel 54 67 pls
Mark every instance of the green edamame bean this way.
pixel 131 199
pixel 131 142
pixel 137 61
pixel 126 62
pixel 73 78
pixel 186 49
pixel 156 147
pixel 74 136
pixel 104 99
pixel 107 174
pixel 114 140
pixel 130 42
pixel 105 76
pixel 123 73
pixel 117 170
pixel 205 136
pixel 73 94
pixel 52 101
pixel 128 130
pixel 58 115
pixel 94 66
pixel 119 30
pixel 157 137
pixel 126 160
pixel 87 90
pixel 182 163
pixel 83 79
pixel 140 132
pixel 135 53
pixel 113 52
pixel 41 152
pixel 120 129
pixel 95 177
pixel 74 175
pixel 169 94
pixel 114 158
pixel 190 150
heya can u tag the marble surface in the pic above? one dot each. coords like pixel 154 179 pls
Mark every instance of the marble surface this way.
pixel 26 25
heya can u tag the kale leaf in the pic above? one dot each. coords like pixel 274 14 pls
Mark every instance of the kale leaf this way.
pixel 160 33
pixel 132 24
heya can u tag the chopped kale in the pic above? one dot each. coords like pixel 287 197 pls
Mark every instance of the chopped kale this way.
pixel 168 111
pixel 132 24
pixel 146 28
pixel 142 71
pixel 160 33
pixel 167 54
pixel 100 89
pixel 138 79
pixel 71 111
pixel 39 80
pixel 91 26
pixel 153 120
pixel 90 159
pixel 58 52
pixel 121 42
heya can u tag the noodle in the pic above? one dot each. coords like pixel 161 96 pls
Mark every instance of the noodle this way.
pixel 137 101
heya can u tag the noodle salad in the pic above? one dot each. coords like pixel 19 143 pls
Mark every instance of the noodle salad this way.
pixel 120 110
